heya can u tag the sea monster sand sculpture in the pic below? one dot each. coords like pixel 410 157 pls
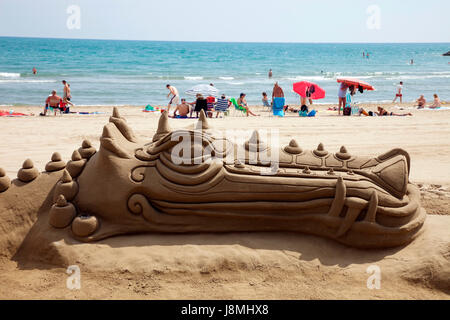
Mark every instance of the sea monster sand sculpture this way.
pixel 127 188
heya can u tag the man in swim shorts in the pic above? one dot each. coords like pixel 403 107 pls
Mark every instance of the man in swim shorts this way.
pixel 182 109
pixel 52 101
pixel 175 96
pixel 399 92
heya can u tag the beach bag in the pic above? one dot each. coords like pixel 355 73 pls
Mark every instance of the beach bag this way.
pixel 347 111
pixel 303 113
pixel 312 114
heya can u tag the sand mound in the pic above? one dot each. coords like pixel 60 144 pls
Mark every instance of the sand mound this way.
pixel 274 260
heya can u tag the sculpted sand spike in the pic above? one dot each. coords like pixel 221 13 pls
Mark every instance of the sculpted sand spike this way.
pixel 28 172
pixel 55 164
pixel 5 182
pixel 128 187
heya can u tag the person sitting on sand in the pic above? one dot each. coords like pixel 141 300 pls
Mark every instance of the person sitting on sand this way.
pixel 437 102
pixel 182 109
pixel 383 113
pixel 265 100
pixel 243 103
pixel 421 102
pixel 52 101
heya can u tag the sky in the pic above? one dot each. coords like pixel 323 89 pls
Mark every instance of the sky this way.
pixel 230 20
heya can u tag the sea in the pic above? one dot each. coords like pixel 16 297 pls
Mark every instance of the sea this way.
pixel 113 72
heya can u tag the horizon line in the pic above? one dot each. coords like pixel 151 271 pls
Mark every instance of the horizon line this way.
pixel 209 41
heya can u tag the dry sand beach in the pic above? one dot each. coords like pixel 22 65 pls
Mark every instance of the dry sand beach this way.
pixel 237 265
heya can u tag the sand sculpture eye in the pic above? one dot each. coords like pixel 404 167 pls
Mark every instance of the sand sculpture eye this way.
pixel 127 187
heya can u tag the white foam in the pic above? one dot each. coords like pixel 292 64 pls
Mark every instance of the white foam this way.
pixel 9 75
pixel 27 81
pixel 193 78
pixel 310 78
pixel 226 78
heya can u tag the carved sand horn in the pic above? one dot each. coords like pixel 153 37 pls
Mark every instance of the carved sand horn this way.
pixel 163 127
pixel 122 125
pixel 255 144
pixel 202 123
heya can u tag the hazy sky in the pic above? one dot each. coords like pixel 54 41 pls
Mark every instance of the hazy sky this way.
pixel 231 20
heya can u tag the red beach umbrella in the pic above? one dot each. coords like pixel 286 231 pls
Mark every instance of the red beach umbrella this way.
pixel 356 83
pixel 315 91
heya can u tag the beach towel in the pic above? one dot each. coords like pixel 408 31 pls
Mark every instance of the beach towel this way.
pixel 435 109
pixel 278 107
pixel 11 113
pixel 90 113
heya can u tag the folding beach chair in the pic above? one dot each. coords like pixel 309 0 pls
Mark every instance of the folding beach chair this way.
pixel 237 108
pixel 222 106
pixel 278 107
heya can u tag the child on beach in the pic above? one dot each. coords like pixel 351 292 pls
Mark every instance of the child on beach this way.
pixel 265 100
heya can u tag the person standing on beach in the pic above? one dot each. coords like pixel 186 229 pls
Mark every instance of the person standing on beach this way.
pixel 67 95
pixel 342 97
pixel 399 92
pixel 175 96
pixel 270 74
pixel 277 92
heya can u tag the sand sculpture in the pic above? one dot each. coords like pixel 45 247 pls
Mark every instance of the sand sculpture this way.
pixel 127 187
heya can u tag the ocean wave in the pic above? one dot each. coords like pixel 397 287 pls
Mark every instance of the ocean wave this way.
pixel 418 77
pixel 9 75
pixel 193 78
pixel 236 83
pixel 226 78
pixel 310 78
pixel 27 81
